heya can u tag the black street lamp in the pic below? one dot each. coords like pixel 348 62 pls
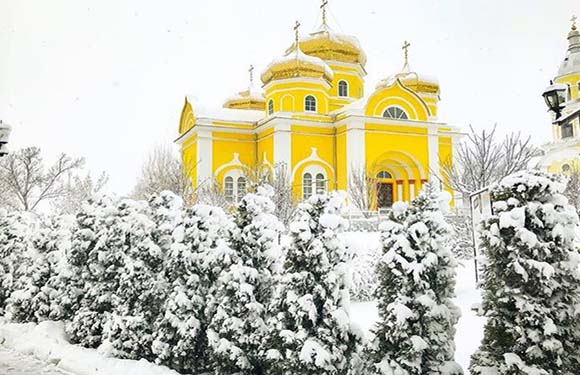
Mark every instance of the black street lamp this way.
pixel 5 130
pixel 555 97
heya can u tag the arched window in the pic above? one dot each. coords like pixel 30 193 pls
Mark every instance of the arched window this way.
pixel 310 103
pixel 569 91
pixel 384 174
pixel 270 106
pixel 566 168
pixel 342 88
pixel 306 186
pixel 567 130
pixel 396 113
pixel 241 188
pixel 229 188
pixel 320 183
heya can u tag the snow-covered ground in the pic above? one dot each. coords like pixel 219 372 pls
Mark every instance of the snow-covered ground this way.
pixel 13 363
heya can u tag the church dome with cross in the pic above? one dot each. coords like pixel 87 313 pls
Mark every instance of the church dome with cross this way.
pixel 312 121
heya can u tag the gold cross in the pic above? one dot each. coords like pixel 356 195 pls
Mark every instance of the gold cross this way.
pixel 406 46
pixel 323 7
pixel 573 19
pixel 296 26
pixel 251 70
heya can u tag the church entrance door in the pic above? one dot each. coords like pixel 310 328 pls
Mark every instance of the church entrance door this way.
pixel 385 195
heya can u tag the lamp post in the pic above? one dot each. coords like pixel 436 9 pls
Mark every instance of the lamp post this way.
pixel 555 97
pixel 5 130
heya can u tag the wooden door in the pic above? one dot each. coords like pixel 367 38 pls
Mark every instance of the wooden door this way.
pixel 385 195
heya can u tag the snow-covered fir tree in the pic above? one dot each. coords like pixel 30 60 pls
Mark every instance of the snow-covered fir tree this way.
pixel 416 273
pixel 311 331
pixel 199 253
pixel 238 326
pixel 97 257
pixel 129 329
pixel 39 292
pixel 16 251
pixel 531 280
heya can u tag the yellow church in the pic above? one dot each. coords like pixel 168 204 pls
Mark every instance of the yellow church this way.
pixel 562 155
pixel 313 117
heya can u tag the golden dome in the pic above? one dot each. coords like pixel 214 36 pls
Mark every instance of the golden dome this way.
pixel 248 99
pixel 329 45
pixel 413 81
pixel 296 64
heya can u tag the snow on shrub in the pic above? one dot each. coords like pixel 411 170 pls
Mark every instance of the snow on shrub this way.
pixel 200 252
pixel 311 332
pixel 416 273
pixel 531 281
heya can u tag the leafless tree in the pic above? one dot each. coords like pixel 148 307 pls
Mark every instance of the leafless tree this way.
pixel 279 179
pixel 362 189
pixel 482 159
pixel 78 190
pixel 164 170
pixel 572 191
pixel 27 183
pixel 210 192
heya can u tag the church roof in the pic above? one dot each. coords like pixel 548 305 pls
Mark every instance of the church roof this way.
pixel 330 45
pixel 296 64
pixel 252 98
pixel 571 63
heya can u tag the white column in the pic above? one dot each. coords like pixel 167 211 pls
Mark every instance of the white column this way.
pixel 282 141
pixel 355 147
pixel 204 156
pixel 433 148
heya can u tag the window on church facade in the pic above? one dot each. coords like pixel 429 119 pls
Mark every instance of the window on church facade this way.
pixel 229 188
pixel 396 113
pixel 270 106
pixel 342 88
pixel 241 188
pixel 384 174
pixel 566 168
pixel 306 186
pixel 320 183
pixel 310 103
pixel 567 131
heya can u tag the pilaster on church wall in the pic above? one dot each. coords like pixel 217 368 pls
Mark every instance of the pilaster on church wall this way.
pixel 433 151
pixel 355 146
pixel 282 140
pixel 204 156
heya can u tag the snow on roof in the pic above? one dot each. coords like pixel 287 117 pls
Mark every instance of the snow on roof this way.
pixel 571 63
pixel 334 36
pixel 356 107
pixel 229 114
pixel 408 76
pixel 301 56
pixel 252 93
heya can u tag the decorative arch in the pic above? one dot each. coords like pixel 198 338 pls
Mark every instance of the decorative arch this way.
pixel 234 168
pixel 187 119
pixel 400 164
pixel 287 103
pixel 397 95
pixel 312 160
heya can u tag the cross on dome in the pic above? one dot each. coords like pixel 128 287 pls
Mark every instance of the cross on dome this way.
pixel 405 48
pixel 296 27
pixel 323 7
pixel 251 71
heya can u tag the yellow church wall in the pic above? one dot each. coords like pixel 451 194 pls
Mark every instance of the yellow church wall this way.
pixel 289 96
pixel 303 140
pixel 224 145
pixel 355 83
pixel 574 81
pixel 397 95
pixel 265 145
pixel 446 154
pixel 189 158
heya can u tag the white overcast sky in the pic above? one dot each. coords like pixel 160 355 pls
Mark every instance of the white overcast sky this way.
pixel 106 79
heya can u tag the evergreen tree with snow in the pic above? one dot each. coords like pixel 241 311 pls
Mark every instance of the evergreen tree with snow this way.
pixel 199 253
pixel 238 326
pixel 39 292
pixel 416 273
pixel 97 256
pixel 531 280
pixel 17 252
pixel 310 330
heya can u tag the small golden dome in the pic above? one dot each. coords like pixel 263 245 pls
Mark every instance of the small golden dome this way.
pixel 251 98
pixel 329 45
pixel 296 64
pixel 413 81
